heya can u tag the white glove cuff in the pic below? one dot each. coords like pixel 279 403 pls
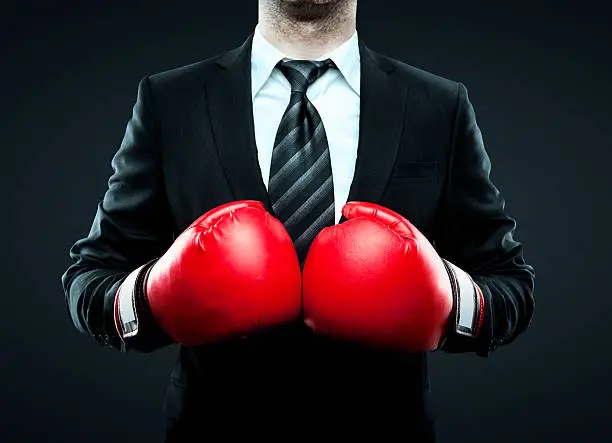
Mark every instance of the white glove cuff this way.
pixel 469 302
pixel 126 318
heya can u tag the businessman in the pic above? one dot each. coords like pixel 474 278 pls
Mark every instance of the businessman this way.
pixel 306 220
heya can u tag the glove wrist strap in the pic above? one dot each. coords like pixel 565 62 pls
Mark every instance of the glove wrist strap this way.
pixel 135 323
pixel 467 302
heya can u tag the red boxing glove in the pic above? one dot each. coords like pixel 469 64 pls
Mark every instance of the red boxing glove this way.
pixel 376 280
pixel 233 271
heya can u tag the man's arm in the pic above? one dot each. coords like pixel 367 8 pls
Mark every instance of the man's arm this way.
pixel 132 226
pixel 474 233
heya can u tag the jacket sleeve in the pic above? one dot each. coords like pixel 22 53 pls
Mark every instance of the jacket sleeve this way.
pixel 474 232
pixel 132 226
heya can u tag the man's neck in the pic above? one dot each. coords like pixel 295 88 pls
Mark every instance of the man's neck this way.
pixel 306 40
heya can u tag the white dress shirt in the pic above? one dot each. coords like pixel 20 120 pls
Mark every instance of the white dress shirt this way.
pixel 335 95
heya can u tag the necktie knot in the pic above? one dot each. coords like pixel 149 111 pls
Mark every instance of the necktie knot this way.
pixel 303 73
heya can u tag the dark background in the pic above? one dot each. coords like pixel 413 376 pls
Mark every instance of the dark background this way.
pixel 540 80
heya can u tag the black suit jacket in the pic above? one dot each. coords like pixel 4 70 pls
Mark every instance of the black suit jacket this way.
pixel 190 147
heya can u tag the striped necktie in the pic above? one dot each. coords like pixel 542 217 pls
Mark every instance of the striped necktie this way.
pixel 301 186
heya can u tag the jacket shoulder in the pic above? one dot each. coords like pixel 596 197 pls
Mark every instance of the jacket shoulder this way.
pixel 420 81
pixel 189 74
pixel 180 88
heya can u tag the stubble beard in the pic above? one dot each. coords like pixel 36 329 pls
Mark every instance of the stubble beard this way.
pixel 308 23
pixel 312 11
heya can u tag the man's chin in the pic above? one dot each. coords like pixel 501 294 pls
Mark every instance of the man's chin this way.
pixel 309 10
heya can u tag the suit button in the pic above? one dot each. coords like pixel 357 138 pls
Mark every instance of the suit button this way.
pixel 103 339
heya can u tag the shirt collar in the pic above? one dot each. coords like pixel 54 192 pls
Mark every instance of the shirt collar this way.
pixel 265 56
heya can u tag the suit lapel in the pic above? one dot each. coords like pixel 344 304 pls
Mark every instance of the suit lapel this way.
pixel 381 122
pixel 231 110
